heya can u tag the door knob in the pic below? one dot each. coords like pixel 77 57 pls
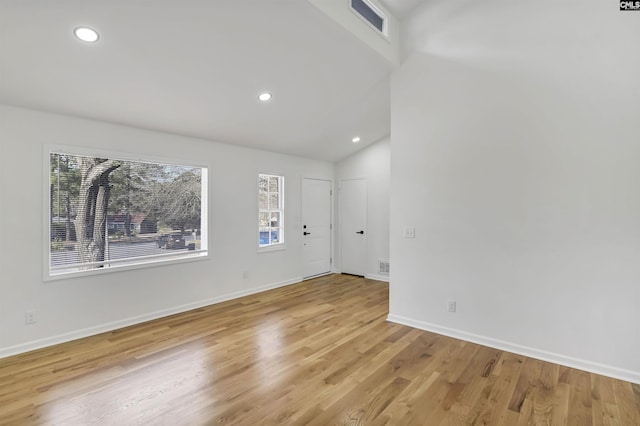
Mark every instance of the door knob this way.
pixel 360 232
pixel 306 233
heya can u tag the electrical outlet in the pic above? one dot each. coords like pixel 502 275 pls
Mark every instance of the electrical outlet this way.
pixel 409 232
pixel 451 305
pixel 30 317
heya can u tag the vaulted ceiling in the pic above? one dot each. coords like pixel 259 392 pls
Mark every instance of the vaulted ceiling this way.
pixel 196 67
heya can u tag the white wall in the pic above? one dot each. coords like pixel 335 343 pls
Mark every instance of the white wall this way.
pixel 373 164
pixel 76 307
pixel 516 156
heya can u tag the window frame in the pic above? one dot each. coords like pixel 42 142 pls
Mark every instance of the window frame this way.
pixel 281 245
pixel 143 262
pixel 378 10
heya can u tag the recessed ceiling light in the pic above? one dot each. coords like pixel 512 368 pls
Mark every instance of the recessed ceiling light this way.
pixel 86 34
pixel 356 139
pixel 264 96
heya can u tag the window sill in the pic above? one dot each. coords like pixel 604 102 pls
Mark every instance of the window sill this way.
pixel 275 247
pixel 202 255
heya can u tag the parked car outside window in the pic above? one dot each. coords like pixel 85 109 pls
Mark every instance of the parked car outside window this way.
pixel 171 241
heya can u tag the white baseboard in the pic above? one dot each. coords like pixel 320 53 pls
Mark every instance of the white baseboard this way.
pixel 377 277
pixel 92 331
pixel 317 276
pixel 368 276
pixel 592 367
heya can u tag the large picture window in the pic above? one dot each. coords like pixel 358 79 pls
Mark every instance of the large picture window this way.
pixel 270 210
pixel 107 212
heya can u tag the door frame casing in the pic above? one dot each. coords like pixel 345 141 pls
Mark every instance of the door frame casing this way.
pixel 332 230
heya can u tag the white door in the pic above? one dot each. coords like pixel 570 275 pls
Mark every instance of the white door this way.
pixel 316 227
pixel 353 226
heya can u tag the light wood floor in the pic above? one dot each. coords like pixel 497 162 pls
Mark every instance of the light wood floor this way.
pixel 316 353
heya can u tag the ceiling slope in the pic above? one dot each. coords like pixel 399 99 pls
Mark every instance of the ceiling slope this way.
pixel 196 67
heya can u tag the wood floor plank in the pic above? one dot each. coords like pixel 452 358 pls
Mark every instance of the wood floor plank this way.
pixel 319 352
pixel 507 377
pixel 626 403
pixel 580 402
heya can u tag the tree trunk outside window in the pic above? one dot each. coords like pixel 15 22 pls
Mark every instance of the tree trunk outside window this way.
pixel 91 220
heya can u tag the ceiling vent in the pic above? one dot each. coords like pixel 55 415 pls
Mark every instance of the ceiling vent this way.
pixel 372 14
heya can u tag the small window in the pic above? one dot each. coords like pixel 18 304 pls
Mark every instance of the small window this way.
pixel 107 212
pixel 371 14
pixel 270 210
